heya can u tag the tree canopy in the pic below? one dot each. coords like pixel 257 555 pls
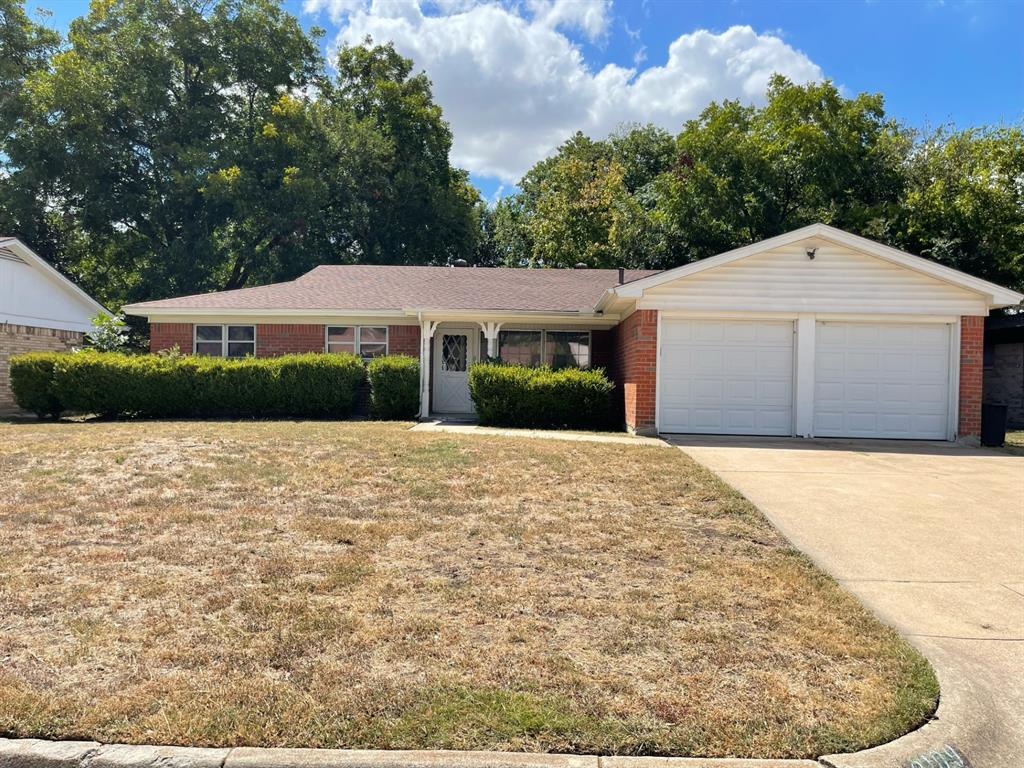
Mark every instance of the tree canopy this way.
pixel 177 146
pixel 738 173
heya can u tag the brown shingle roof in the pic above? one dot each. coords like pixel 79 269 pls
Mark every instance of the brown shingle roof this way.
pixel 363 287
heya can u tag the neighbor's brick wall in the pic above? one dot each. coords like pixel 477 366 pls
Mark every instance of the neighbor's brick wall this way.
pixel 404 340
pixel 972 340
pixel 168 335
pixel 15 339
pixel 1004 381
pixel 635 366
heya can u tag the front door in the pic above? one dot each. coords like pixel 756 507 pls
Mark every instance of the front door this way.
pixel 454 352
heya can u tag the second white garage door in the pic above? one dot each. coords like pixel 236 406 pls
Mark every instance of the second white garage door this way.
pixel 726 377
pixel 882 380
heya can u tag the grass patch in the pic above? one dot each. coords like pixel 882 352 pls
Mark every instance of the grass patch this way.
pixel 359 585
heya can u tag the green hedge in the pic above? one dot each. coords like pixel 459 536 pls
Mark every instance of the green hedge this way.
pixel 118 385
pixel 394 387
pixel 32 383
pixel 518 396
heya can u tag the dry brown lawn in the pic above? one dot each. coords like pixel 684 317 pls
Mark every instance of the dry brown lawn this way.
pixel 360 585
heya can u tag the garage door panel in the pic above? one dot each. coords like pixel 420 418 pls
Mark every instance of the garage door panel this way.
pixel 726 377
pixel 886 380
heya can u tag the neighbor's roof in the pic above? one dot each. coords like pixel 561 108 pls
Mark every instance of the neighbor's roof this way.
pixel 359 287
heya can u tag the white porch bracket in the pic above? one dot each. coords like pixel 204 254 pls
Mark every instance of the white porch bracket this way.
pixel 427 330
pixel 491 330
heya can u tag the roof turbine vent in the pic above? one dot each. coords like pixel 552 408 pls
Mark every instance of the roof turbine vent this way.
pixel 580 265
pixel 460 263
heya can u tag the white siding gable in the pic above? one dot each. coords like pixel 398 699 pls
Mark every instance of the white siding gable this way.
pixel 838 279
pixel 30 295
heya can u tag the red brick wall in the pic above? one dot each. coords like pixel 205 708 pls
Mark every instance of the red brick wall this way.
pixel 972 340
pixel 167 335
pixel 635 361
pixel 273 339
pixel 282 338
pixel 404 340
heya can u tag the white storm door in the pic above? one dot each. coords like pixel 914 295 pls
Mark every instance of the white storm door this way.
pixel 882 380
pixel 454 352
pixel 728 377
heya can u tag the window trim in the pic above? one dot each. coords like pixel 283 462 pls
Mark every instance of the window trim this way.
pixel 223 337
pixel 357 338
pixel 544 341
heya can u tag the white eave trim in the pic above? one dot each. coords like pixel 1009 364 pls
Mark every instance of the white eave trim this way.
pixel 31 258
pixel 589 318
pixel 997 295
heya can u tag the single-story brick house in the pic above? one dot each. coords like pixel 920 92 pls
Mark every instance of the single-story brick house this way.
pixel 813 333
pixel 40 310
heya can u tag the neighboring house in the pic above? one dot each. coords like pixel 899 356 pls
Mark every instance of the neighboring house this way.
pixel 1004 366
pixel 813 333
pixel 40 309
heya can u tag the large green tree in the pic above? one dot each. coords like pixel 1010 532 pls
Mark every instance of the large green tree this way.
pixel 177 146
pixel 964 202
pixel 126 126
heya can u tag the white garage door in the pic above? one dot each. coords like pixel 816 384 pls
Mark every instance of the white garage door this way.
pixel 726 377
pixel 882 380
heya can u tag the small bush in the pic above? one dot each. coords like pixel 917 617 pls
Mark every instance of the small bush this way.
pixel 394 387
pixel 116 385
pixel 32 383
pixel 518 396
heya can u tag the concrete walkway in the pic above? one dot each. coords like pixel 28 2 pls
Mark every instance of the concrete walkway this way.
pixel 931 537
pixel 469 428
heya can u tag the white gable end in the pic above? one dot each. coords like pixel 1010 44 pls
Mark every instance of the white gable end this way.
pixel 839 279
pixel 33 294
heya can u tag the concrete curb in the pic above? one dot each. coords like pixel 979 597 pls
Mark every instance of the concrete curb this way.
pixel 38 753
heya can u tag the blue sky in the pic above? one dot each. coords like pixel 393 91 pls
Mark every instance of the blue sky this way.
pixel 516 78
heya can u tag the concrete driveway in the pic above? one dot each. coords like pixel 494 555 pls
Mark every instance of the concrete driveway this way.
pixel 931 537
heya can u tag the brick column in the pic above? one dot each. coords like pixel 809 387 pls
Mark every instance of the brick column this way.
pixel 167 335
pixel 636 352
pixel 972 340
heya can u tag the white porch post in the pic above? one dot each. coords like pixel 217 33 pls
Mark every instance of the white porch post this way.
pixel 806 325
pixel 491 334
pixel 427 328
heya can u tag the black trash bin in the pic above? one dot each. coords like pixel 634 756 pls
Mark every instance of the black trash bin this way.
pixel 993 424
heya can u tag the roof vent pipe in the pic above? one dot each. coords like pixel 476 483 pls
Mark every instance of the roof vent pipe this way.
pixel 622 275
pixel 460 263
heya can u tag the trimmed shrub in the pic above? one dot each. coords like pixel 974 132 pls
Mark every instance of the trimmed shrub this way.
pixel 394 387
pixel 32 383
pixel 117 385
pixel 519 396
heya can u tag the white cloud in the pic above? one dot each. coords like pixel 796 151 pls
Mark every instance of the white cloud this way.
pixel 513 85
pixel 589 16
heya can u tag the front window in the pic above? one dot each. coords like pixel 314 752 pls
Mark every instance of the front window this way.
pixel 341 339
pixel 373 342
pixel 241 341
pixel 558 349
pixel 367 341
pixel 567 349
pixel 522 347
pixel 225 340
